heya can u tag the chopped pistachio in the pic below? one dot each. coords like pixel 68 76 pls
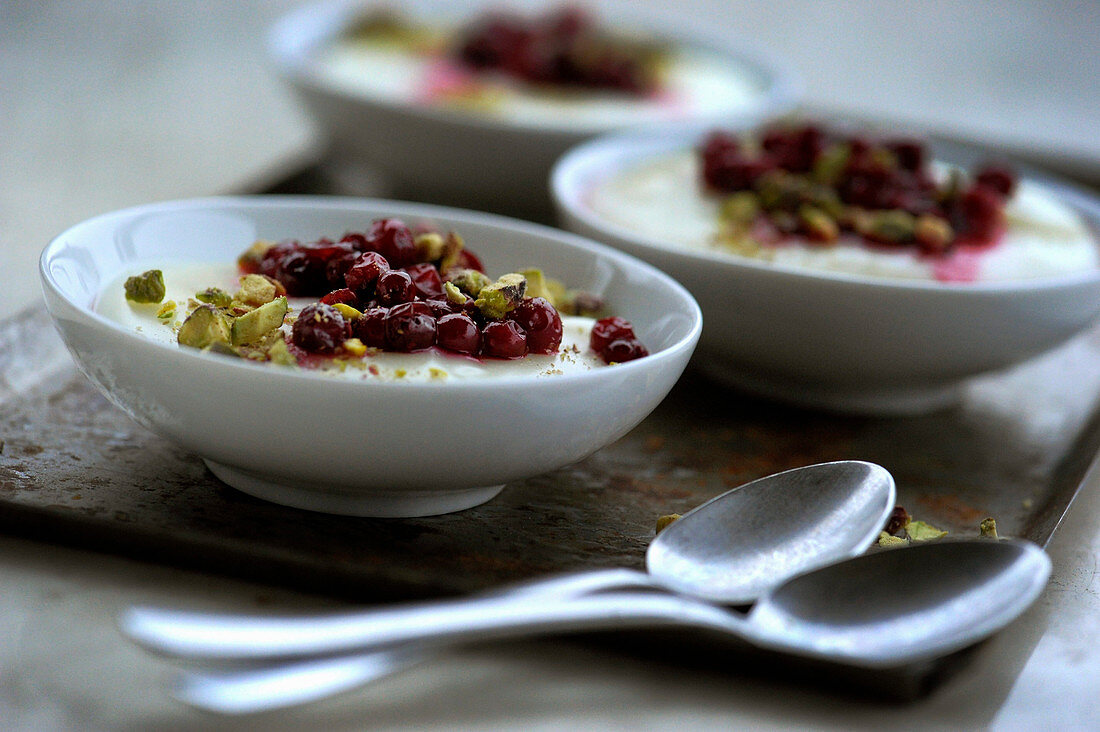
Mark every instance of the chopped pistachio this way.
pixel 886 540
pixel 147 287
pixel 890 226
pixel 355 347
pixel 251 257
pixel 256 290
pixel 256 324
pixel 498 299
pixel 453 294
pixel 223 348
pixel 536 284
pixel 347 311
pixel 664 521
pixel 204 327
pixel 469 281
pixel 437 373
pixel 451 249
pixel 819 225
pixel 167 311
pixel 279 354
pixel 933 232
pixel 740 208
pixel 988 528
pixel 576 302
pixel 921 531
pixel 831 163
pixel 215 296
pixel 429 246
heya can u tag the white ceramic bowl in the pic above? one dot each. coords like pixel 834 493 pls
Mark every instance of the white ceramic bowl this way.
pixel 463 157
pixel 832 340
pixel 356 447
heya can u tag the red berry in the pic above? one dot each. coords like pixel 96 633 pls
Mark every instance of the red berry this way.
pixel 998 178
pixel 370 327
pixel 366 270
pixel 503 339
pixel 458 332
pixel 393 240
pixel 607 330
pixel 426 279
pixel 344 295
pixel 409 327
pixel 542 323
pixel 622 350
pixel 395 287
pixel 320 328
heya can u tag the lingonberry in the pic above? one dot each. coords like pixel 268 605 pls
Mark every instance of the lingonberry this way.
pixel 459 333
pixel 320 328
pixel 503 339
pixel 395 287
pixel 542 323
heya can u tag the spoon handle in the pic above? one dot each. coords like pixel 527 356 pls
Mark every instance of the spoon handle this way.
pixel 228 637
pixel 186 635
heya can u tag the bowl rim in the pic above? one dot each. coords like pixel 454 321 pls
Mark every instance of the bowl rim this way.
pixel 291 54
pixel 666 357
pixel 635 146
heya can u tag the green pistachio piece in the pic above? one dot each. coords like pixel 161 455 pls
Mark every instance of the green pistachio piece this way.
pixel 429 246
pixel 453 294
pixel 818 225
pixel 933 232
pixel 469 281
pixel 740 208
pixel 498 299
pixel 147 287
pixel 256 290
pixel 664 521
pixel 920 531
pixel 894 226
pixel 830 164
pixel 279 354
pixel 886 540
pixel 255 324
pixel 988 528
pixel 215 296
pixel 204 327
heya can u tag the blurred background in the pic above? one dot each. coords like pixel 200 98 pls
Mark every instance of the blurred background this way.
pixel 109 104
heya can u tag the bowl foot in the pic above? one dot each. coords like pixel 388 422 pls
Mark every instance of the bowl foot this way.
pixel 845 399
pixel 324 498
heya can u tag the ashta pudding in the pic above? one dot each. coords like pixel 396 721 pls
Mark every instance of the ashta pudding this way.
pixel 558 70
pixel 389 304
pixel 807 198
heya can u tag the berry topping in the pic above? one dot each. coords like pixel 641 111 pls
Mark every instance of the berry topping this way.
pixel 393 240
pixel 410 327
pixel 622 350
pixel 370 327
pixel 541 322
pixel 503 339
pixel 366 270
pixel 805 182
pixel 320 328
pixel 426 279
pixel 395 287
pixel 458 332
pixel 607 330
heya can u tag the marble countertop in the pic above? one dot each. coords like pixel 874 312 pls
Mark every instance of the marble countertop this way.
pixel 176 100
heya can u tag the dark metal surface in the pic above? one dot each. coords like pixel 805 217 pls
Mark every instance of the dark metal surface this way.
pixel 75 469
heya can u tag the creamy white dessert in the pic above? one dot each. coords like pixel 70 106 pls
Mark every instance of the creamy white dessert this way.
pixel 697 82
pixel 662 200
pixel 183 280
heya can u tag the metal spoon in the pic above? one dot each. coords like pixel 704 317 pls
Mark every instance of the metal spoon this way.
pixel 882 610
pixel 731 549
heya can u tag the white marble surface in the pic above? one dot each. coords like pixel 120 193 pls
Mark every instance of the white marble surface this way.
pixel 111 104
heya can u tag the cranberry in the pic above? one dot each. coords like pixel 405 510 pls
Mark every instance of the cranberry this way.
pixel 366 270
pixel 622 350
pixel 727 167
pixel 541 322
pixel 998 178
pixel 981 212
pixel 607 330
pixel 442 307
pixel 796 149
pixel 469 260
pixel 459 333
pixel 503 339
pixel 357 241
pixel 320 328
pixel 393 240
pixel 343 295
pixel 370 327
pixel 409 328
pixel 909 153
pixel 395 287
pixel 426 279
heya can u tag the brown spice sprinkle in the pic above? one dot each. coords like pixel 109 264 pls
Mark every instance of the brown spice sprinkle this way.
pixel 653 443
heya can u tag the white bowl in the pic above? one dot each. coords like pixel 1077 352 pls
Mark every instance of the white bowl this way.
pixel 833 340
pixel 462 157
pixel 360 447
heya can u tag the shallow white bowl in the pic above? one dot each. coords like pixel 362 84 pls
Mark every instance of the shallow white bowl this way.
pixel 832 340
pixel 363 448
pixel 464 158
